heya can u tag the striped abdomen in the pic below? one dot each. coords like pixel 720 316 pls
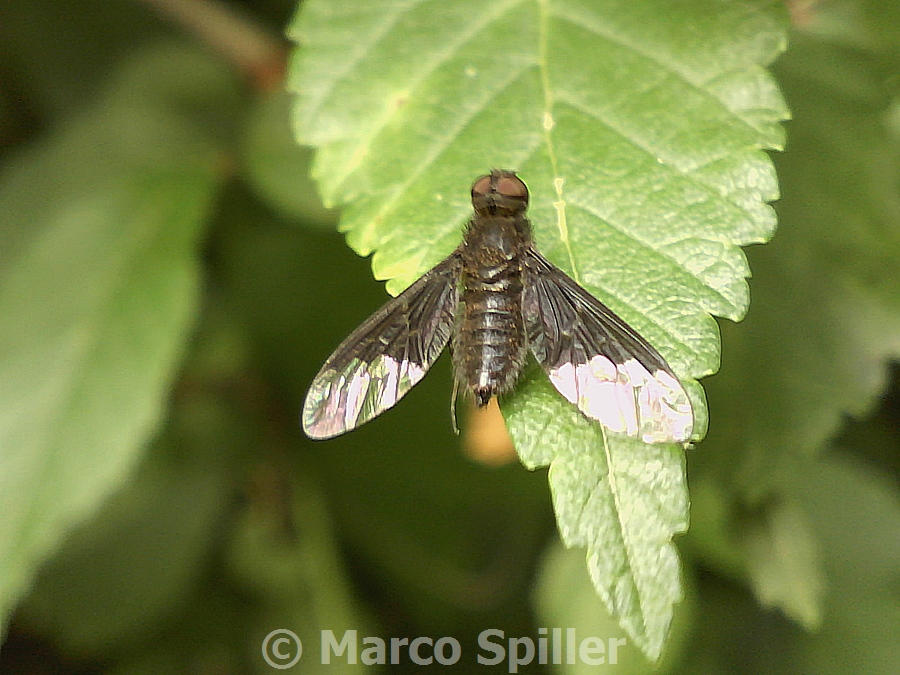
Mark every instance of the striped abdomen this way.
pixel 489 343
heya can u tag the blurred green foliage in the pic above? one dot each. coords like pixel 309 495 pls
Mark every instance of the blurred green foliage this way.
pixel 169 283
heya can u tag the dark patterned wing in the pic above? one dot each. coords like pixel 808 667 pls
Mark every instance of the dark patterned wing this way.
pixel 599 362
pixel 385 357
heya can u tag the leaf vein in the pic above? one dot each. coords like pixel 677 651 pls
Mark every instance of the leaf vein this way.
pixel 375 35
pixel 440 57
pixel 597 29
pixel 687 175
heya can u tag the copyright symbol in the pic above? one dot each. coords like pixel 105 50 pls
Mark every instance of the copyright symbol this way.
pixel 277 650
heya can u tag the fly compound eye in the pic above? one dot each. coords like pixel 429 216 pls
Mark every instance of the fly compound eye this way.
pixel 481 187
pixel 513 187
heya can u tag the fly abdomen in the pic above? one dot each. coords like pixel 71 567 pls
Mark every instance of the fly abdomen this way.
pixel 489 345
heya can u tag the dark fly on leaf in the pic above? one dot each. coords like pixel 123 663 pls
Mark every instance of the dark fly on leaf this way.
pixel 495 298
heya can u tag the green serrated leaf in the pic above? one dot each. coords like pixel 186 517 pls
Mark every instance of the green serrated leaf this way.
pixel 621 499
pixel 639 128
pixel 98 285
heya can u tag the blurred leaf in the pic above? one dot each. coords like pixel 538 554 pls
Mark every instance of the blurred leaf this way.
pixel 713 536
pixel 119 577
pixel 123 577
pixel 771 546
pixel 783 562
pixel 733 636
pixel 98 286
pixel 856 515
pixel 870 25
pixel 639 130
pixel 825 321
pixel 284 551
pixel 284 283
pixel 826 317
pixel 277 167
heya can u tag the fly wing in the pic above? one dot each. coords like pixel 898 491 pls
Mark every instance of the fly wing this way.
pixel 385 357
pixel 599 362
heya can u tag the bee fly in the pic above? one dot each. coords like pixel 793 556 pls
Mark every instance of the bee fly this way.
pixel 495 298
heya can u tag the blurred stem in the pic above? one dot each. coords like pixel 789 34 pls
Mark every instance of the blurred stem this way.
pixel 252 49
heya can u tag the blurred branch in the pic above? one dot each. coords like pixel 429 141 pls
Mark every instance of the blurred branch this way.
pixel 251 48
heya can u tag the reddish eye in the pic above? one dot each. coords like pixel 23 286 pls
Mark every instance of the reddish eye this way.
pixel 512 186
pixel 482 186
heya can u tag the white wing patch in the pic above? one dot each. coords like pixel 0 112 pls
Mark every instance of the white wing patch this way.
pixel 338 402
pixel 379 362
pixel 627 398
